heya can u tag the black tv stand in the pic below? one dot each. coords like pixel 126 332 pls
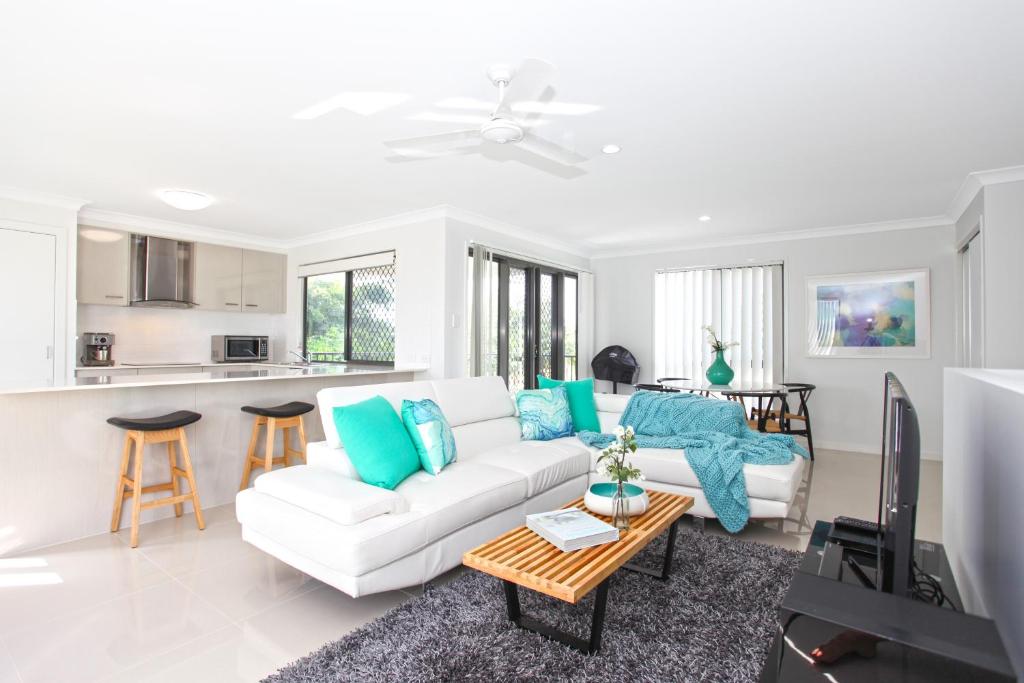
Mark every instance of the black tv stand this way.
pixel 831 595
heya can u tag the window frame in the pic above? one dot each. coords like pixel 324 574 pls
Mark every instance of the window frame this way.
pixel 532 359
pixel 347 349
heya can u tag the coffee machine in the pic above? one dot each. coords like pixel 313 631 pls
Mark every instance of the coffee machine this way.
pixel 96 348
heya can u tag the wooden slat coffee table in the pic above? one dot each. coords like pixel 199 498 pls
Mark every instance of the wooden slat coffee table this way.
pixel 522 558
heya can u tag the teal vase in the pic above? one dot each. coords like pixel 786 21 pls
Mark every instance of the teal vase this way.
pixel 720 372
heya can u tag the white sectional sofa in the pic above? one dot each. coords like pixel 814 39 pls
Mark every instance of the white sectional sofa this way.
pixel 321 519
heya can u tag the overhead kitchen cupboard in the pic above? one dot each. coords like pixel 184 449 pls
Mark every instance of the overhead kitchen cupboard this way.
pixel 224 278
pixel 218 277
pixel 263 275
pixel 102 266
pixel 233 279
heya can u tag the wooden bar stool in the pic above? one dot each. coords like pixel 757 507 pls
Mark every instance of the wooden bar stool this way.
pixel 284 417
pixel 169 429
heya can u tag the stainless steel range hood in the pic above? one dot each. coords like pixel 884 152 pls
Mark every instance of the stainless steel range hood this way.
pixel 161 272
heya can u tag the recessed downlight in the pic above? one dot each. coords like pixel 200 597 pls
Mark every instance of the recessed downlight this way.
pixel 704 219
pixel 186 200
pixel 611 149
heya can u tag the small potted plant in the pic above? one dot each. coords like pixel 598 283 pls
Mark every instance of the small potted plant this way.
pixel 626 499
pixel 719 372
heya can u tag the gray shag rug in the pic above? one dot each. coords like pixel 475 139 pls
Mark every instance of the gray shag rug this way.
pixel 713 620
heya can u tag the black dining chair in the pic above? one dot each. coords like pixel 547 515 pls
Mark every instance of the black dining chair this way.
pixel 783 421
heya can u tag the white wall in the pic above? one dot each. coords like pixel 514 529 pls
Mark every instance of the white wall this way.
pixel 982 479
pixel 419 297
pixel 458 236
pixel 175 335
pixel 59 220
pixel 846 408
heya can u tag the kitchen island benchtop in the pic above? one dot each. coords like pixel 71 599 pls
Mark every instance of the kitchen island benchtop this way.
pixel 225 374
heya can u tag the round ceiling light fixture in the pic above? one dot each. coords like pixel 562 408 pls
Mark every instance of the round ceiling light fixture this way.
pixel 186 200
pixel 611 149
pixel 704 219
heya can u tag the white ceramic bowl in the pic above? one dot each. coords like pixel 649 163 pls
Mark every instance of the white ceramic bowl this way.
pixel 598 498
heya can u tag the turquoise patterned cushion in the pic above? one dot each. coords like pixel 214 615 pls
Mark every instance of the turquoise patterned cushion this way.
pixel 544 414
pixel 430 433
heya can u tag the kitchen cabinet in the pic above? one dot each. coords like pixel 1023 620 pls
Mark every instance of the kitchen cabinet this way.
pixel 263 286
pixel 218 277
pixel 102 266
pixel 224 278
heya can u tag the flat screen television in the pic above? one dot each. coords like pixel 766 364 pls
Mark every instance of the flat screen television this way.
pixel 897 498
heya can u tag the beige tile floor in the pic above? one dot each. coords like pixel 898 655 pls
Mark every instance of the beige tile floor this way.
pixel 204 606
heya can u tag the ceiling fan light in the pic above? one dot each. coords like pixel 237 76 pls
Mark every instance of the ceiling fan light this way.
pixel 186 200
pixel 501 131
pixel 611 149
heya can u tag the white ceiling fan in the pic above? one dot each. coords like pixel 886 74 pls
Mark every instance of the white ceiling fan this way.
pixel 526 84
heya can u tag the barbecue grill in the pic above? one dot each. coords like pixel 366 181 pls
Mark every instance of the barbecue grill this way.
pixel 615 364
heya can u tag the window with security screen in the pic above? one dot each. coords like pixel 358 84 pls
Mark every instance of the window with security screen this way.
pixel 350 316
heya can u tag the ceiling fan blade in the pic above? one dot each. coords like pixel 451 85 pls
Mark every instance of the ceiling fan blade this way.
pixel 543 147
pixel 427 144
pixel 528 83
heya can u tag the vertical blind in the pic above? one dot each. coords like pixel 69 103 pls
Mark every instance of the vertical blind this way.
pixel 742 304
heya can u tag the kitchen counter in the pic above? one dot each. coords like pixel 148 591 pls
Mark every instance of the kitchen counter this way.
pixel 226 372
pixel 58 464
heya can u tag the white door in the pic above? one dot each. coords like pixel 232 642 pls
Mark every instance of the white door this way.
pixel 972 322
pixel 27 287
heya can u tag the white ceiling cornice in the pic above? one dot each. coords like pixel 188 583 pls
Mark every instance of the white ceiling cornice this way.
pixel 783 236
pixel 531 236
pixel 163 228
pixel 45 198
pixel 975 181
pixel 434 212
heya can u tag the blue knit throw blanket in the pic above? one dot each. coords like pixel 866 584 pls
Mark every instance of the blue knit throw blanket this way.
pixel 717 443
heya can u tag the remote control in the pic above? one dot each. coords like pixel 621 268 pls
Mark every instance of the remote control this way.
pixel 861 525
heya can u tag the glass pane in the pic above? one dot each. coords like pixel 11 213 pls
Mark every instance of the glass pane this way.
pixel 325 317
pixel 373 314
pixel 516 329
pixel 569 312
pixel 544 337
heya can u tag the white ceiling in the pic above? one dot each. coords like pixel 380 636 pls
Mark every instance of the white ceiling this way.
pixel 768 116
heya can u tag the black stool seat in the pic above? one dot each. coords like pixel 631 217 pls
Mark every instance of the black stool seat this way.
pixel 293 409
pixel 173 420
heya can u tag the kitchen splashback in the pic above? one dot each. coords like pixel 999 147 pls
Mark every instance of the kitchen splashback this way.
pixel 147 335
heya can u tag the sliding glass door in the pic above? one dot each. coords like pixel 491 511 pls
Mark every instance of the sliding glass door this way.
pixel 534 323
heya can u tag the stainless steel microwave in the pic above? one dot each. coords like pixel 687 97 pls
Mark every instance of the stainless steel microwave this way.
pixel 239 349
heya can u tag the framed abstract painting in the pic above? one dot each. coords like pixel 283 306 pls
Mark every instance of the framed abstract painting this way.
pixel 869 315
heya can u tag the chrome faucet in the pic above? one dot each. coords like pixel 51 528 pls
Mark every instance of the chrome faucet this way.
pixel 300 356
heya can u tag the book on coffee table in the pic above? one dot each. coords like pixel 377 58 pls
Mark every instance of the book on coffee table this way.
pixel 571 529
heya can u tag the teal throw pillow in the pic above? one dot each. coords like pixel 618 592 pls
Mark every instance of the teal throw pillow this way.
pixel 430 434
pixel 581 401
pixel 544 414
pixel 376 442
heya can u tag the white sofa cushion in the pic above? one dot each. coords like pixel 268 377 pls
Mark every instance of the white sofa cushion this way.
pixel 473 399
pixel 352 550
pixel 611 403
pixel 394 393
pixel 330 494
pixel 544 463
pixel 479 437
pixel 322 454
pixel 669 465
pixel 463 493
